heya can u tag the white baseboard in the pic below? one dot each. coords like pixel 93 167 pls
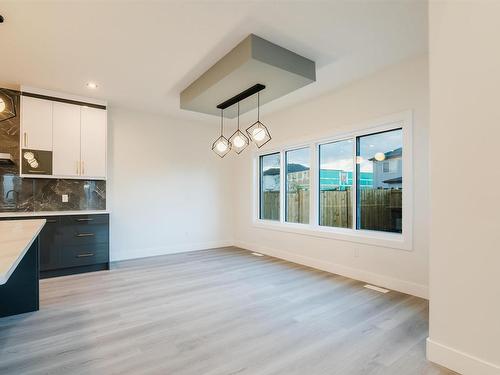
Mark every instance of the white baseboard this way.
pixel 403 286
pixel 458 361
pixel 117 255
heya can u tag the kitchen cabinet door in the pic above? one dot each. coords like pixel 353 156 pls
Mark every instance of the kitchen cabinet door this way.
pixel 93 142
pixel 36 123
pixel 66 141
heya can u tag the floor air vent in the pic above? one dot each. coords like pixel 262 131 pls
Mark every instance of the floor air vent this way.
pixel 378 289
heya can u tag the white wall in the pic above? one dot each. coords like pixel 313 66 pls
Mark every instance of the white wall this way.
pixel 465 238
pixel 167 190
pixel 399 88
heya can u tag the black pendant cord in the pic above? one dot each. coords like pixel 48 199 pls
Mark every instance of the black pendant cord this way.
pixel 238 115
pixel 258 106
pixel 222 122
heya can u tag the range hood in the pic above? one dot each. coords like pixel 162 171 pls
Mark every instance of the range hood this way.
pixel 6 159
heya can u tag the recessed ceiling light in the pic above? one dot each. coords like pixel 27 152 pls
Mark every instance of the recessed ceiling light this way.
pixel 91 85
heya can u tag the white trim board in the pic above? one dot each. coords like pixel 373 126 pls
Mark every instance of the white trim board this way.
pixel 117 255
pixel 458 361
pixel 399 285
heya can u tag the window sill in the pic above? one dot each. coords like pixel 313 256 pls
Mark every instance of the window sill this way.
pixel 391 240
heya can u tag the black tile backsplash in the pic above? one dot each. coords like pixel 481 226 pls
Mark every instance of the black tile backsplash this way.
pixel 34 194
pixel 18 194
pixel 82 195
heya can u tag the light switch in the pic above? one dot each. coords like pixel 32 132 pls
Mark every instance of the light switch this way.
pixel 64 198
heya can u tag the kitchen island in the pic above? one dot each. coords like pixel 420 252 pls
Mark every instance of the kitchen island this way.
pixel 19 266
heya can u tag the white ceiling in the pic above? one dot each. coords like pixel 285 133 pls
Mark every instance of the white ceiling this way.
pixel 143 54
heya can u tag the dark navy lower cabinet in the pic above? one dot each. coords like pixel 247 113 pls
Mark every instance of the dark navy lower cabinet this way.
pixel 71 244
pixel 20 293
pixel 49 256
pixel 74 244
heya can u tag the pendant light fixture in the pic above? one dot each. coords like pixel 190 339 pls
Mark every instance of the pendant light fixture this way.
pixel 258 131
pixel 7 105
pixel 221 146
pixel 239 141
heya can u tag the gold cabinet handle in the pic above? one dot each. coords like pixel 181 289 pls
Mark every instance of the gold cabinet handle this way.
pixel 25 139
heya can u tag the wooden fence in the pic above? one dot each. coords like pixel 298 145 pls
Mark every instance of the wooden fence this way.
pixel 270 209
pixel 380 210
pixel 298 207
pixel 335 208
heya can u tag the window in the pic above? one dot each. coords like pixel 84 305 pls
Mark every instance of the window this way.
pixel 336 165
pixel 356 193
pixel 270 183
pixel 297 185
pixel 380 203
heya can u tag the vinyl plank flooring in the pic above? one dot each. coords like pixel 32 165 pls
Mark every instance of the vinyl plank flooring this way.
pixel 215 312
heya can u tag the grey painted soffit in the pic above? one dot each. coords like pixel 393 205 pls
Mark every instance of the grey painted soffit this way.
pixel 254 60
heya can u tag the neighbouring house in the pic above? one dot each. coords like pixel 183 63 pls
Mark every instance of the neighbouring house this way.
pixel 271 180
pixel 336 179
pixel 387 173
pixel 297 176
pixel 330 179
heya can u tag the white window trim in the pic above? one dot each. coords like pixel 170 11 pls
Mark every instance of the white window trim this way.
pixel 403 241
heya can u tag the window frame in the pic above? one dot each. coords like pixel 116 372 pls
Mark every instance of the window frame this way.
pixel 403 241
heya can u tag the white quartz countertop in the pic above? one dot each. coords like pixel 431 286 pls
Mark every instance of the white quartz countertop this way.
pixel 53 213
pixel 16 237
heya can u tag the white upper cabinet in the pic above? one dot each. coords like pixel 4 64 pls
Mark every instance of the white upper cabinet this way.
pixel 93 142
pixel 75 133
pixel 36 123
pixel 66 140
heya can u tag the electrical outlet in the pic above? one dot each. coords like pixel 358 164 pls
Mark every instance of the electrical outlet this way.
pixel 64 198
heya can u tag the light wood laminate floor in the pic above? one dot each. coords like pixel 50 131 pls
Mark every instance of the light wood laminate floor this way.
pixel 220 311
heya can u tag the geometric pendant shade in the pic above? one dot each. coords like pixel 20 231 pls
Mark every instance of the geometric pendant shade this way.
pixel 258 132
pixel 221 145
pixel 7 105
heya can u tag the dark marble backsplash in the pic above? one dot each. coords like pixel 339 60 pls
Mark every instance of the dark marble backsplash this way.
pixel 33 194
pixel 19 194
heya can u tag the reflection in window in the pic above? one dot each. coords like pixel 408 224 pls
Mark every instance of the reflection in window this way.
pixel 269 175
pixel 336 166
pixel 380 200
pixel 297 185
